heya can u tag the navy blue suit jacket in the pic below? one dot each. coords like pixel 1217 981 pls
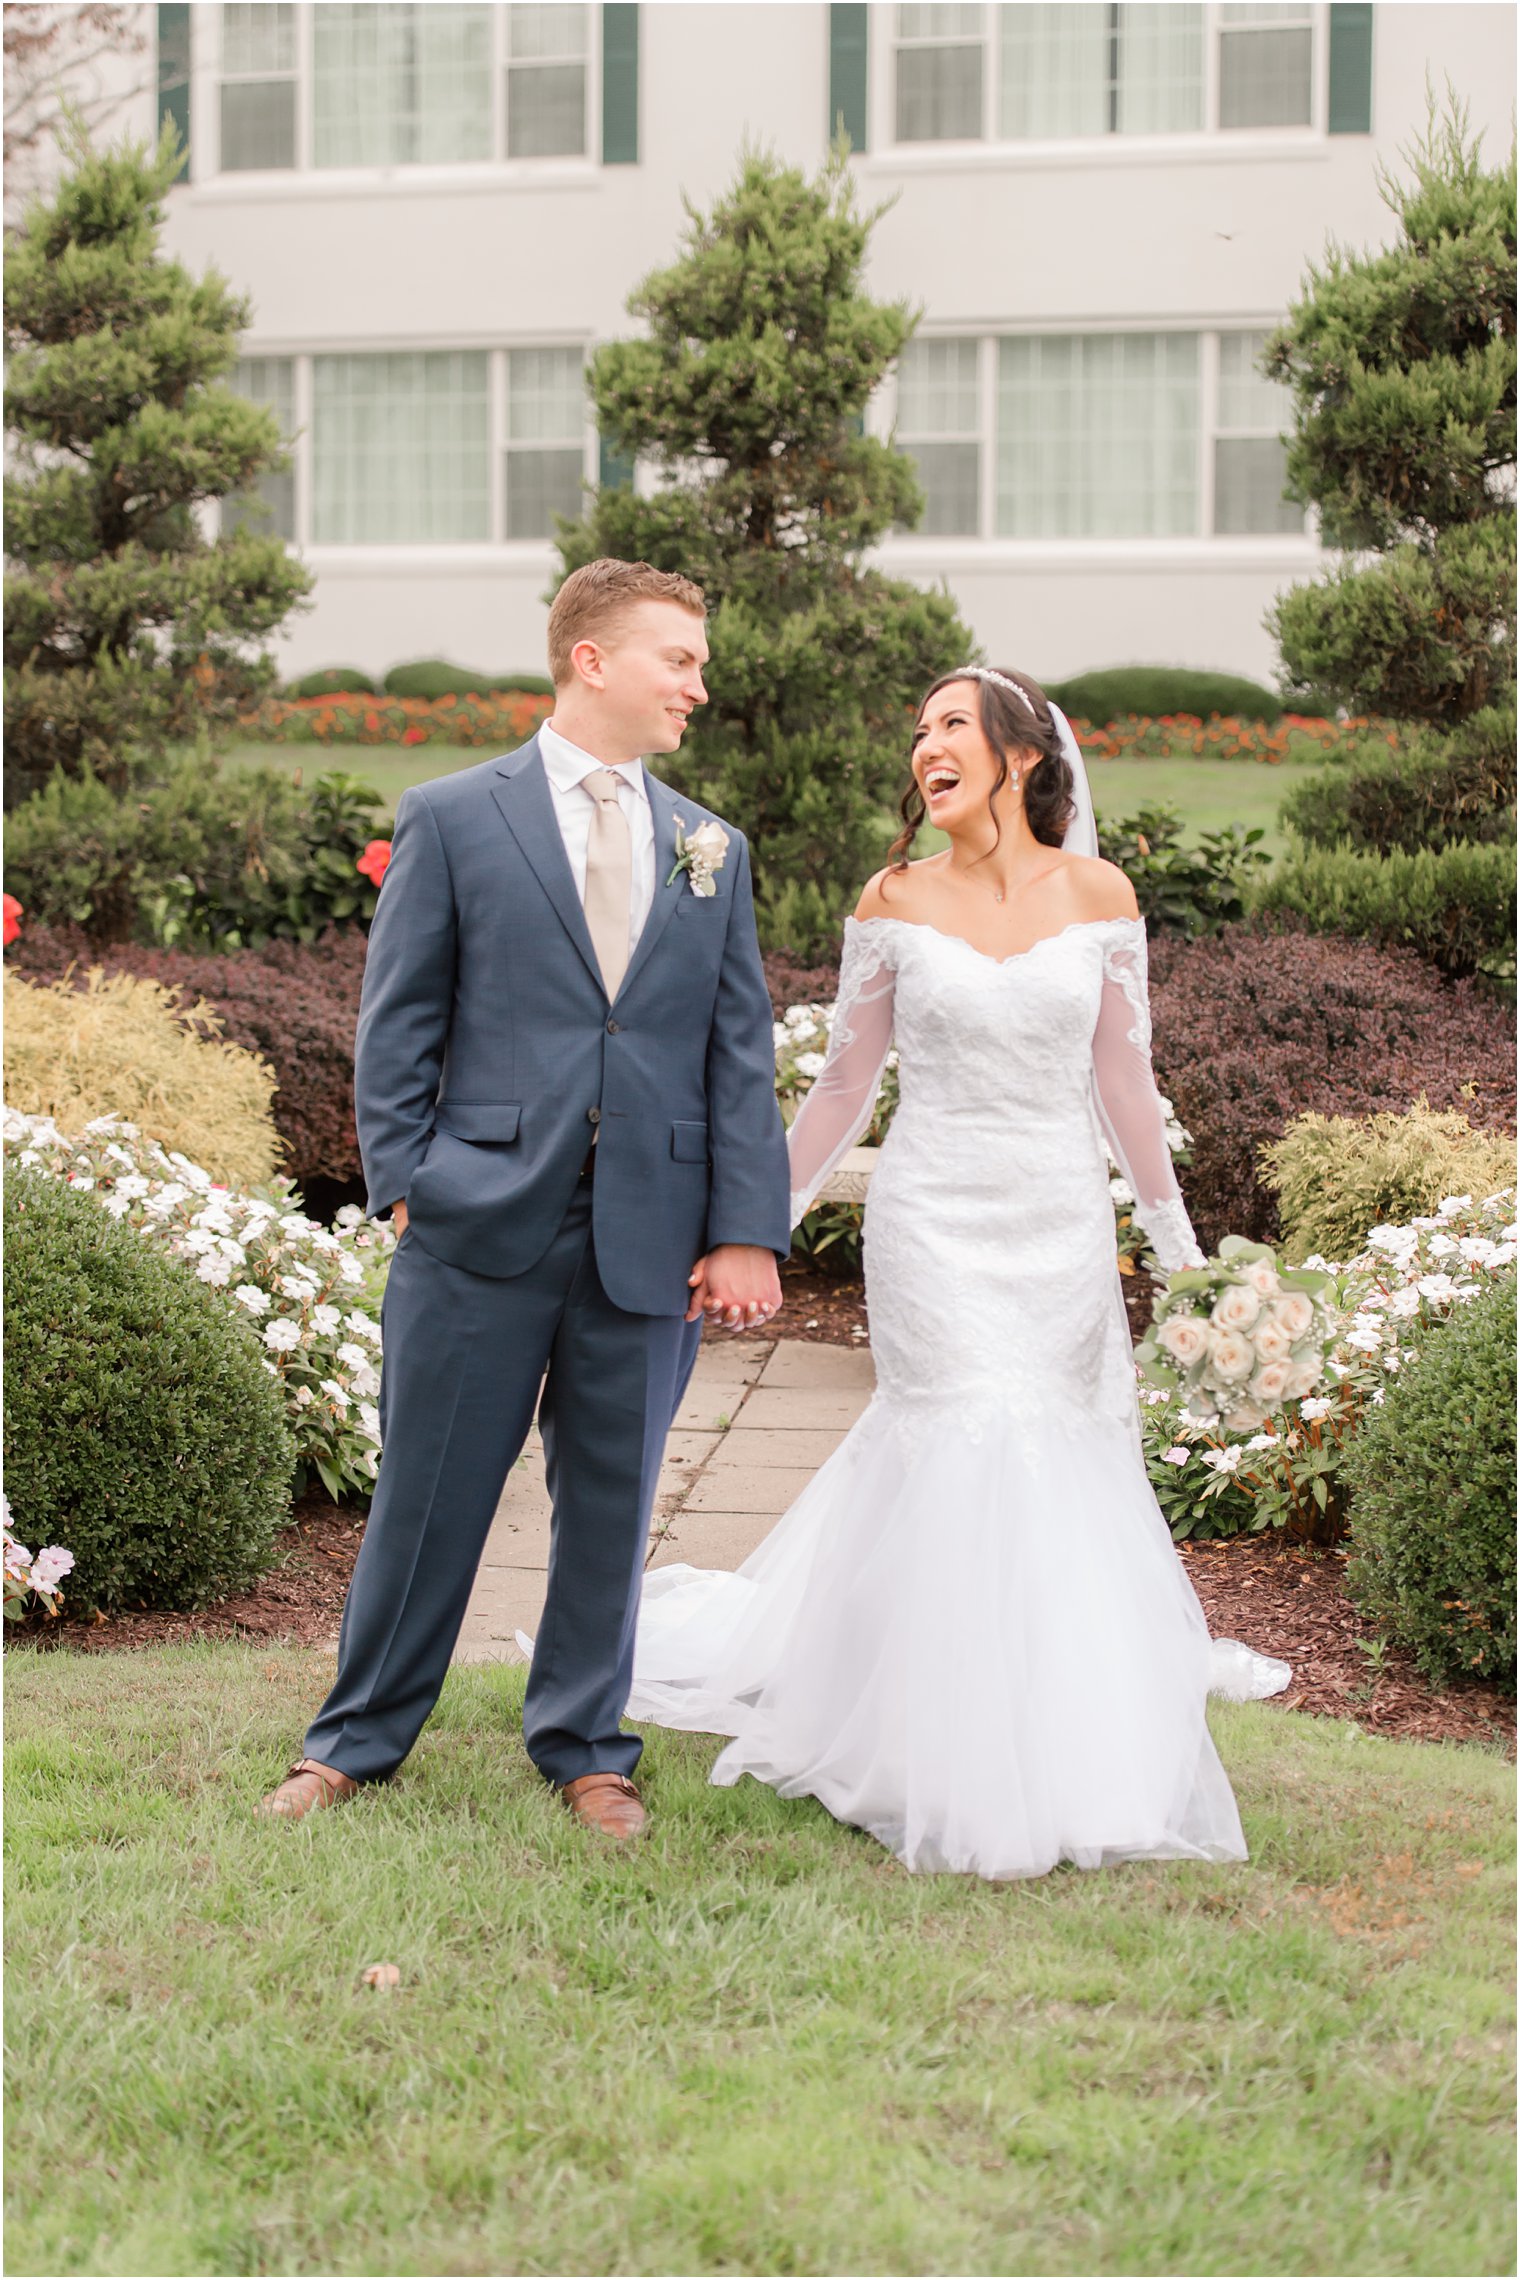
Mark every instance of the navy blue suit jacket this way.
pixel 488 1054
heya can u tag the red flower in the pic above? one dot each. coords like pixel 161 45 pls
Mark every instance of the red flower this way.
pixel 375 860
pixel 414 736
pixel 12 920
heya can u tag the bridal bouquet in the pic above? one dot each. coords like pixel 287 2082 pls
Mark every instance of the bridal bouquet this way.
pixel 1241 1335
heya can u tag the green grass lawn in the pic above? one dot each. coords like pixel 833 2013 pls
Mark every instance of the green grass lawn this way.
pixel 753 2045
pixel 1209 793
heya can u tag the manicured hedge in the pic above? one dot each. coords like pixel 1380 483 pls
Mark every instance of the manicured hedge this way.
pixel 1253 1028
pixel 433 677
pixel 332 681
pixel 1161 689
pixel 142 1430
pixel 1432 1478
pixel 1459 786
pixel 294 1003
pixel 1454 905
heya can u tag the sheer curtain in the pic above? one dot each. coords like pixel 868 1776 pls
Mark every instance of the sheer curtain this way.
pixel 1160 68
pixel 400 448
pixel 1098 435
pixel 396 85
pixel 1055 69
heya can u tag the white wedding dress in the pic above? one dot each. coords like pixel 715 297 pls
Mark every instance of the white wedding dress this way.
pixel 971 1634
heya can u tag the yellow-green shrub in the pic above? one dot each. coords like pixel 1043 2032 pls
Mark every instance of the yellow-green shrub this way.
pixel 1337 1176
pixel 127 1046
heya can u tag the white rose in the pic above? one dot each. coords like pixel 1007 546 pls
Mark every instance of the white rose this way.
pixel 709 844
pixel 1183 1338
pixel 1271 1341
pixel 1231 1355
pixel 1303 1377
pixel 1270 1383
pixel 1245 1416
pixel 1236 1309
pixel 1295 1312
pixel 1262 1277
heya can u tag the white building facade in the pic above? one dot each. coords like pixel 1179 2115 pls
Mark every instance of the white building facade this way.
pixel 438 210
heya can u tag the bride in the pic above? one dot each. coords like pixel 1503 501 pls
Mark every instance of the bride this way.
pixel 971 1635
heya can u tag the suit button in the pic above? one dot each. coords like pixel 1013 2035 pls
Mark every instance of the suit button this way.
pixel 612 1028
pixel 593 1116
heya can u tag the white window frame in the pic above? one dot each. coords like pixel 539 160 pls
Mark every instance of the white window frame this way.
pixel 988 546
pixel 304 178
pixel 391 551
pixel 1210 139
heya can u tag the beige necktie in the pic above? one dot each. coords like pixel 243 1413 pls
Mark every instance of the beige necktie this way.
pixel 609 878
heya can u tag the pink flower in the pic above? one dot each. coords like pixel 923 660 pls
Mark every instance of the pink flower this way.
pixel 375 860
pixel 11 925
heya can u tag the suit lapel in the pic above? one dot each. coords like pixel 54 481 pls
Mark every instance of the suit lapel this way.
pixel 521 791
pixel 664 807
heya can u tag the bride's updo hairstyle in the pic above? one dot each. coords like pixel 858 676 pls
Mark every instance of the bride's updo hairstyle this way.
pixel 1012 723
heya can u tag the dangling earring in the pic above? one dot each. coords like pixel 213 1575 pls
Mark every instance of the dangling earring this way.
pixel 1014 778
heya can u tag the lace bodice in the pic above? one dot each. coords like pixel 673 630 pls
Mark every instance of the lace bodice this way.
pixel 997 1054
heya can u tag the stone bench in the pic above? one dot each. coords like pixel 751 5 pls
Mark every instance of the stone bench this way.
pixel 851 1176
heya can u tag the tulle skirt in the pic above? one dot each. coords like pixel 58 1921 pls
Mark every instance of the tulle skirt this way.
pixel 979 1646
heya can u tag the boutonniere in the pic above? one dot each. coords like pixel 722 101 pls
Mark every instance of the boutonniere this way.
pixel 700 856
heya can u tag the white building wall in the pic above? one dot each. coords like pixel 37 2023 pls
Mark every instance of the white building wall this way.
pixel 1208 231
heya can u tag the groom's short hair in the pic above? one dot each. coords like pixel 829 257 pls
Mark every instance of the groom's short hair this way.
pixel 594 599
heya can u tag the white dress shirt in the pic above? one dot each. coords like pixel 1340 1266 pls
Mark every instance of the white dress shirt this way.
pixel 566 765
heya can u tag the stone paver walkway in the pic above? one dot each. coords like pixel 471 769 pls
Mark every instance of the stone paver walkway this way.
pixel 757 1422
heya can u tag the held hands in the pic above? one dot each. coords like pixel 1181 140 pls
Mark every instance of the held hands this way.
pixel 735 1286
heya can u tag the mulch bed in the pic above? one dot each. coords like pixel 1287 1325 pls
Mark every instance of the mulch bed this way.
pixel 1282 1599
pixel 299 1601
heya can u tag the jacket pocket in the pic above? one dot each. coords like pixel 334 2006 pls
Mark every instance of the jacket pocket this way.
pixel 479 1119
pixel 688 1143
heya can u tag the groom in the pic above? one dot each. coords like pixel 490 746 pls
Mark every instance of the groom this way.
pixel 564 1084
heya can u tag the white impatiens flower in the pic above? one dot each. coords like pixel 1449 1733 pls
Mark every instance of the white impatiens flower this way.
pixel 353 1357
pixel 326 1320
pixel 1260 1441
pixel 362 1326
pixel 1122 1193
pixel 1222 1460
pixel 281 1337
pixel 297 1287
pixel 1314 1409
pixel 350 1272
pixel 349 1215
pixel 132 1184
pixel 1452 1206
pixel 249 1295
pixel 367 1382
pixel 1403 1303
pixel 1437 1288
pixel 304 1397
pixel 117 1205
pixel 232 1250
pixel 336 1393
pixel 369 1420
pixel 810 1064
pixel 1177 1456
pixel 1365 1337
pixel 214 1269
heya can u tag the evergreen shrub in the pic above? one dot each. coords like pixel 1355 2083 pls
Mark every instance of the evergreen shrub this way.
pixel 1431 791
pixel 333 681
pixel 434 677
pixel 142 1430
pixel 295 1004
pixel 1254 1028
pixel 1454 905
pixel 1432 1479
pixel 1159 690
pixel 125 1046
pixel 209 857
pixel 1337 1176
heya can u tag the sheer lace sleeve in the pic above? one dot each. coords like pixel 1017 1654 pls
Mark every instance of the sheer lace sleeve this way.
pixel 1129 1106
pixel 838 1107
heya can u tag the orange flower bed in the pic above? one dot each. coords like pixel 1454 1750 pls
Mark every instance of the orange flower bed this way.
pixel 493 722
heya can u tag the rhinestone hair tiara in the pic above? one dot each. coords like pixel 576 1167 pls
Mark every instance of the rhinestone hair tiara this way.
pixel 987 673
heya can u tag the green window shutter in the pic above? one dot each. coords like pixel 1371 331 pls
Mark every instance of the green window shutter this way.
pixel 620 83
pixel 1350 70
pixel 614 470
pixel 849 37
pixel 174 75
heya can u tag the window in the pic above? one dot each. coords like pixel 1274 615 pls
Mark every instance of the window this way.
pixel 939 423
pixel 546 81
pixel 1098 435
pixel 398 85
pixel 1265 65
pixel 939 73
pixel 374 83
pixel 1041 70
pixel 545 453
pixel 400 448
pixel 1249 452
pixel 258 87
pixel 271 509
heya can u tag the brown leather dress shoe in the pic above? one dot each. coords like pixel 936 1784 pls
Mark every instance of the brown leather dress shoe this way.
pixel 305 1788
pixel 607 1802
